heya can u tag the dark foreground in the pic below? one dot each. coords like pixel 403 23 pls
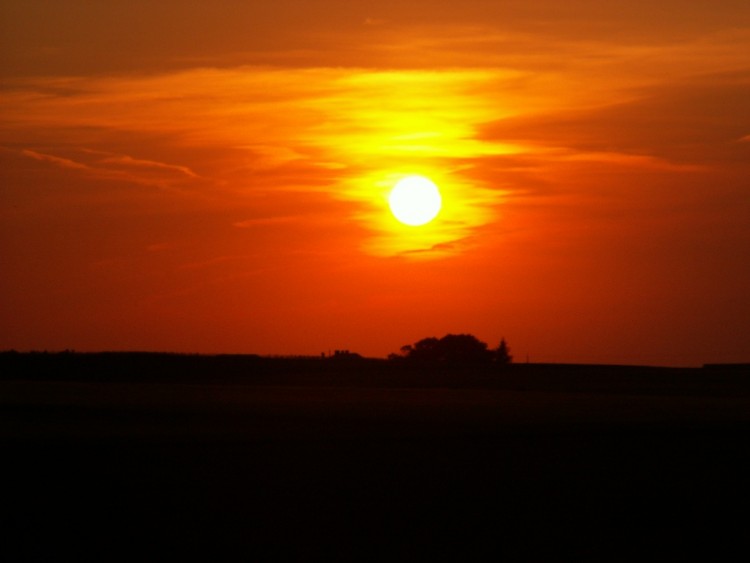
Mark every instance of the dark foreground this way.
pixel 116 469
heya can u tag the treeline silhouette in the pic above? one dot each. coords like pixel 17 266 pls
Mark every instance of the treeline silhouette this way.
pixel 454 361
pixel 430 360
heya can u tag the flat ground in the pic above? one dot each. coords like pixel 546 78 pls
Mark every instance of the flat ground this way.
pixel 110 470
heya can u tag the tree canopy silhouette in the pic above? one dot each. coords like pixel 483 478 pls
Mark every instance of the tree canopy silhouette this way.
pixel 453 349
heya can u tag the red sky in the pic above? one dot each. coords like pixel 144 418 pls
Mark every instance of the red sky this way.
pixel 212 176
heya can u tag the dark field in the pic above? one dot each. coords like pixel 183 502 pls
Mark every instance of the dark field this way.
pixel 362 461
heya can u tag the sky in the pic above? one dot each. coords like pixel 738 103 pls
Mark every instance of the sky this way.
pixel 212 176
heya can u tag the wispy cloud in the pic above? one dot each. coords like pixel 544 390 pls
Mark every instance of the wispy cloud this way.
pixel 624 159
pixel 129 161
pixel 117 167
pixel 56 160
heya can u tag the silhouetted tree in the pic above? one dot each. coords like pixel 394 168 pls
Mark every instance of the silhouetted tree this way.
pixel 454 349
pixel 502 354
pixel 424 350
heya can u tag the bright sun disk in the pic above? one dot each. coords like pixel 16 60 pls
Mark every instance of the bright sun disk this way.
pixel 415 200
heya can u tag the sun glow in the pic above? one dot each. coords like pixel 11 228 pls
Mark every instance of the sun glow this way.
pixel 415 200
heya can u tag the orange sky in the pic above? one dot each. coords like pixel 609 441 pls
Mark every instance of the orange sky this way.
pixel 212 176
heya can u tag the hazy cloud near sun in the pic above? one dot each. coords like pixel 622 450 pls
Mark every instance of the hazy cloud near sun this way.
pixel 276 131
pixel 261 131
pixel 692 121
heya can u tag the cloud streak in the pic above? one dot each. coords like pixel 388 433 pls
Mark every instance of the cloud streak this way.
pixel 56 160
pixel 129 161
pixel 118 167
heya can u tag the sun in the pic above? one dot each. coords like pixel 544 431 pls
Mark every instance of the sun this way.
pixel 415 200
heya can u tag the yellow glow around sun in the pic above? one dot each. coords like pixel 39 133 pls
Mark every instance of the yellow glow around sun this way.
pixel 415 200
pixel 431 129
